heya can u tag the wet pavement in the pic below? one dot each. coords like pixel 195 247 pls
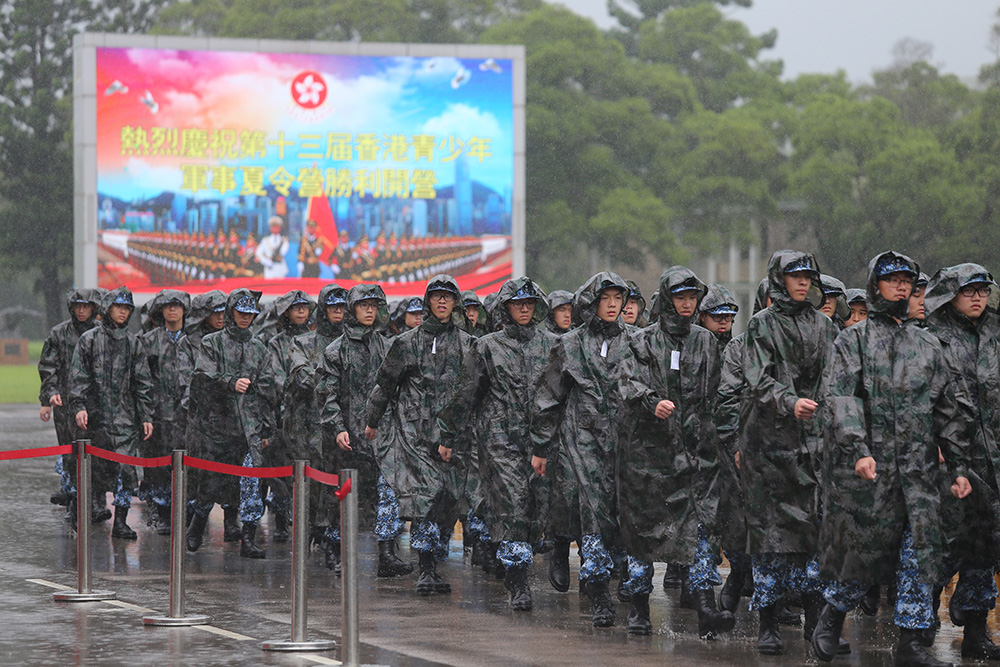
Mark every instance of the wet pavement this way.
pixel 249 601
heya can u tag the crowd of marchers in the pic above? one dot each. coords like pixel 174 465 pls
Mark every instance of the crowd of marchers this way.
pixel 841 452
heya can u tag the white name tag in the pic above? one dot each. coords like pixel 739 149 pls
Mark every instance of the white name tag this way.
pixel 675 360
pixel 434 346
pixel 604 350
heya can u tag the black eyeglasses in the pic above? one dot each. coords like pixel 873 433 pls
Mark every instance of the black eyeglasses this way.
pixel 896 281
pixel 721 319
pixel 972 290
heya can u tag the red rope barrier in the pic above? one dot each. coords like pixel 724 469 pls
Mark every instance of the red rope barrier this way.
pixel 238 471
pixel 36 452
pixel 322 477
pixel 342 492
pixel 157 462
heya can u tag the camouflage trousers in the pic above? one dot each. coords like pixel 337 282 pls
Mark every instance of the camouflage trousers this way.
pixel 251 504
pixel 597 562
pixel 914 602
pixel 703 573
pixel 477 527
pixel 976 589
pixel 515 554
pixel 739 561
pixel 124 487
pixel 775 574
pixel 66 482
pixel 387 523
pixel 427 535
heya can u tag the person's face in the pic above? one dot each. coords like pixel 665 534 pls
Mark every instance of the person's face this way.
pixel 298 314
pixel 631 311
pixel 216 320
pixel 685 302
pixel 717 323
pixel 859 313
pixel 442 304
pixel 917 310
pixel 895 286
pixel 797 283
pixel 609 304
pixel 829 305
pixel 413 320
pixel 563 316
pixel 243 320
pixel 364 312
pixel 119 314
pixel 971 300
pixel 335 314
pixel 275 229
pixel 521 311
pixel 472 312
pixel 83 311
pixel 173 313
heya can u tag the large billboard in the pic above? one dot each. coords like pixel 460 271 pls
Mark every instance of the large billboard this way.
pixel 281 165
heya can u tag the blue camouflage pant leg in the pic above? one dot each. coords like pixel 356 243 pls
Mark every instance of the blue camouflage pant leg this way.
pixel 774 574
pixel 387 523
pixel 444 542
pixel 66 483
pixel 251 504
pixel 333 534
pixel 514 554
pixel 703 573
pixel 477 527
pixel 425 535
pixel 810 582
pixel 123 492
pixel 914 598
pixel 845 595
pixel 976 589
pixel 597 562
pixel 639 575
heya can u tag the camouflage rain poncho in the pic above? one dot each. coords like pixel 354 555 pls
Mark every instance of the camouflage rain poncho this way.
pixel 786 350
pixel 556 298
pixel 668 468
pixel 836 289
pixel 577 406
pixel 972 352
pixel 417 379
pixel 501 389
pixel 887 394
pixel 165 356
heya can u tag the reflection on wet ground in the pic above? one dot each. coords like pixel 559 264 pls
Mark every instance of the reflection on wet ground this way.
pixel 250 600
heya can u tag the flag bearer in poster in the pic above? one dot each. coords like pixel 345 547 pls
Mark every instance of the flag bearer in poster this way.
pixel 313 250
pixel 111 395
pixel 272 249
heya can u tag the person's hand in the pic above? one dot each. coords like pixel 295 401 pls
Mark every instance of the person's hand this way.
pixel 804 409
pixel 663 409
pixel 81 419
pixel 242 385
pixel 538 463
pixel 344 441
pixel 147 430
pixel 45 413
pixel 445 453
pixel 370 433
pixel 264 442
pixel 961 488
pixel 865 467
pixel 940 456
pixel 56 400
pixel 737 457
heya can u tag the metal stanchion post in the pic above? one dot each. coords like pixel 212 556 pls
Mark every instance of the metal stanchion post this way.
pixel 300 571
pixel 83 500
pixel 178 506
pixel 349 655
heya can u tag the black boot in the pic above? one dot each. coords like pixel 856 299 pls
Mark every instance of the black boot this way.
pixel 812 605
pixel 826 635
pixel 389 564
pixel 489 557
pixel 600 598
pixel 869 603
pixel 99 512
pixel 161 519
pixel 711 621
pixel 429 582
pixel 249 548
pixel 559 566
pixel 476 559
pixel 687 600
pixel 121 529
pixel 498 569
pixel 910 653
pixel 71 513
pixel 188 514
pixel 769 636
pixel 937 606
pixel 331 555
pixel 976 642
pixel 638 618
pixel 515 580
pixel 61 497
pixel 623 595
pixel 672 576
pixel 195 531
pixel 732 590
pixel 957 615
pixel 280 527
pixel 788 616
pixel 231 530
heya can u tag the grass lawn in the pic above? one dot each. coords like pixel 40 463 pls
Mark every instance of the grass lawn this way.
pixel 19 384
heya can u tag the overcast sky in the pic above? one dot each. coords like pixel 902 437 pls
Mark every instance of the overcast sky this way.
pixel 858 35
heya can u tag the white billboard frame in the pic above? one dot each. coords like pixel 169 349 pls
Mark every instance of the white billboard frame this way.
pixel 85 45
